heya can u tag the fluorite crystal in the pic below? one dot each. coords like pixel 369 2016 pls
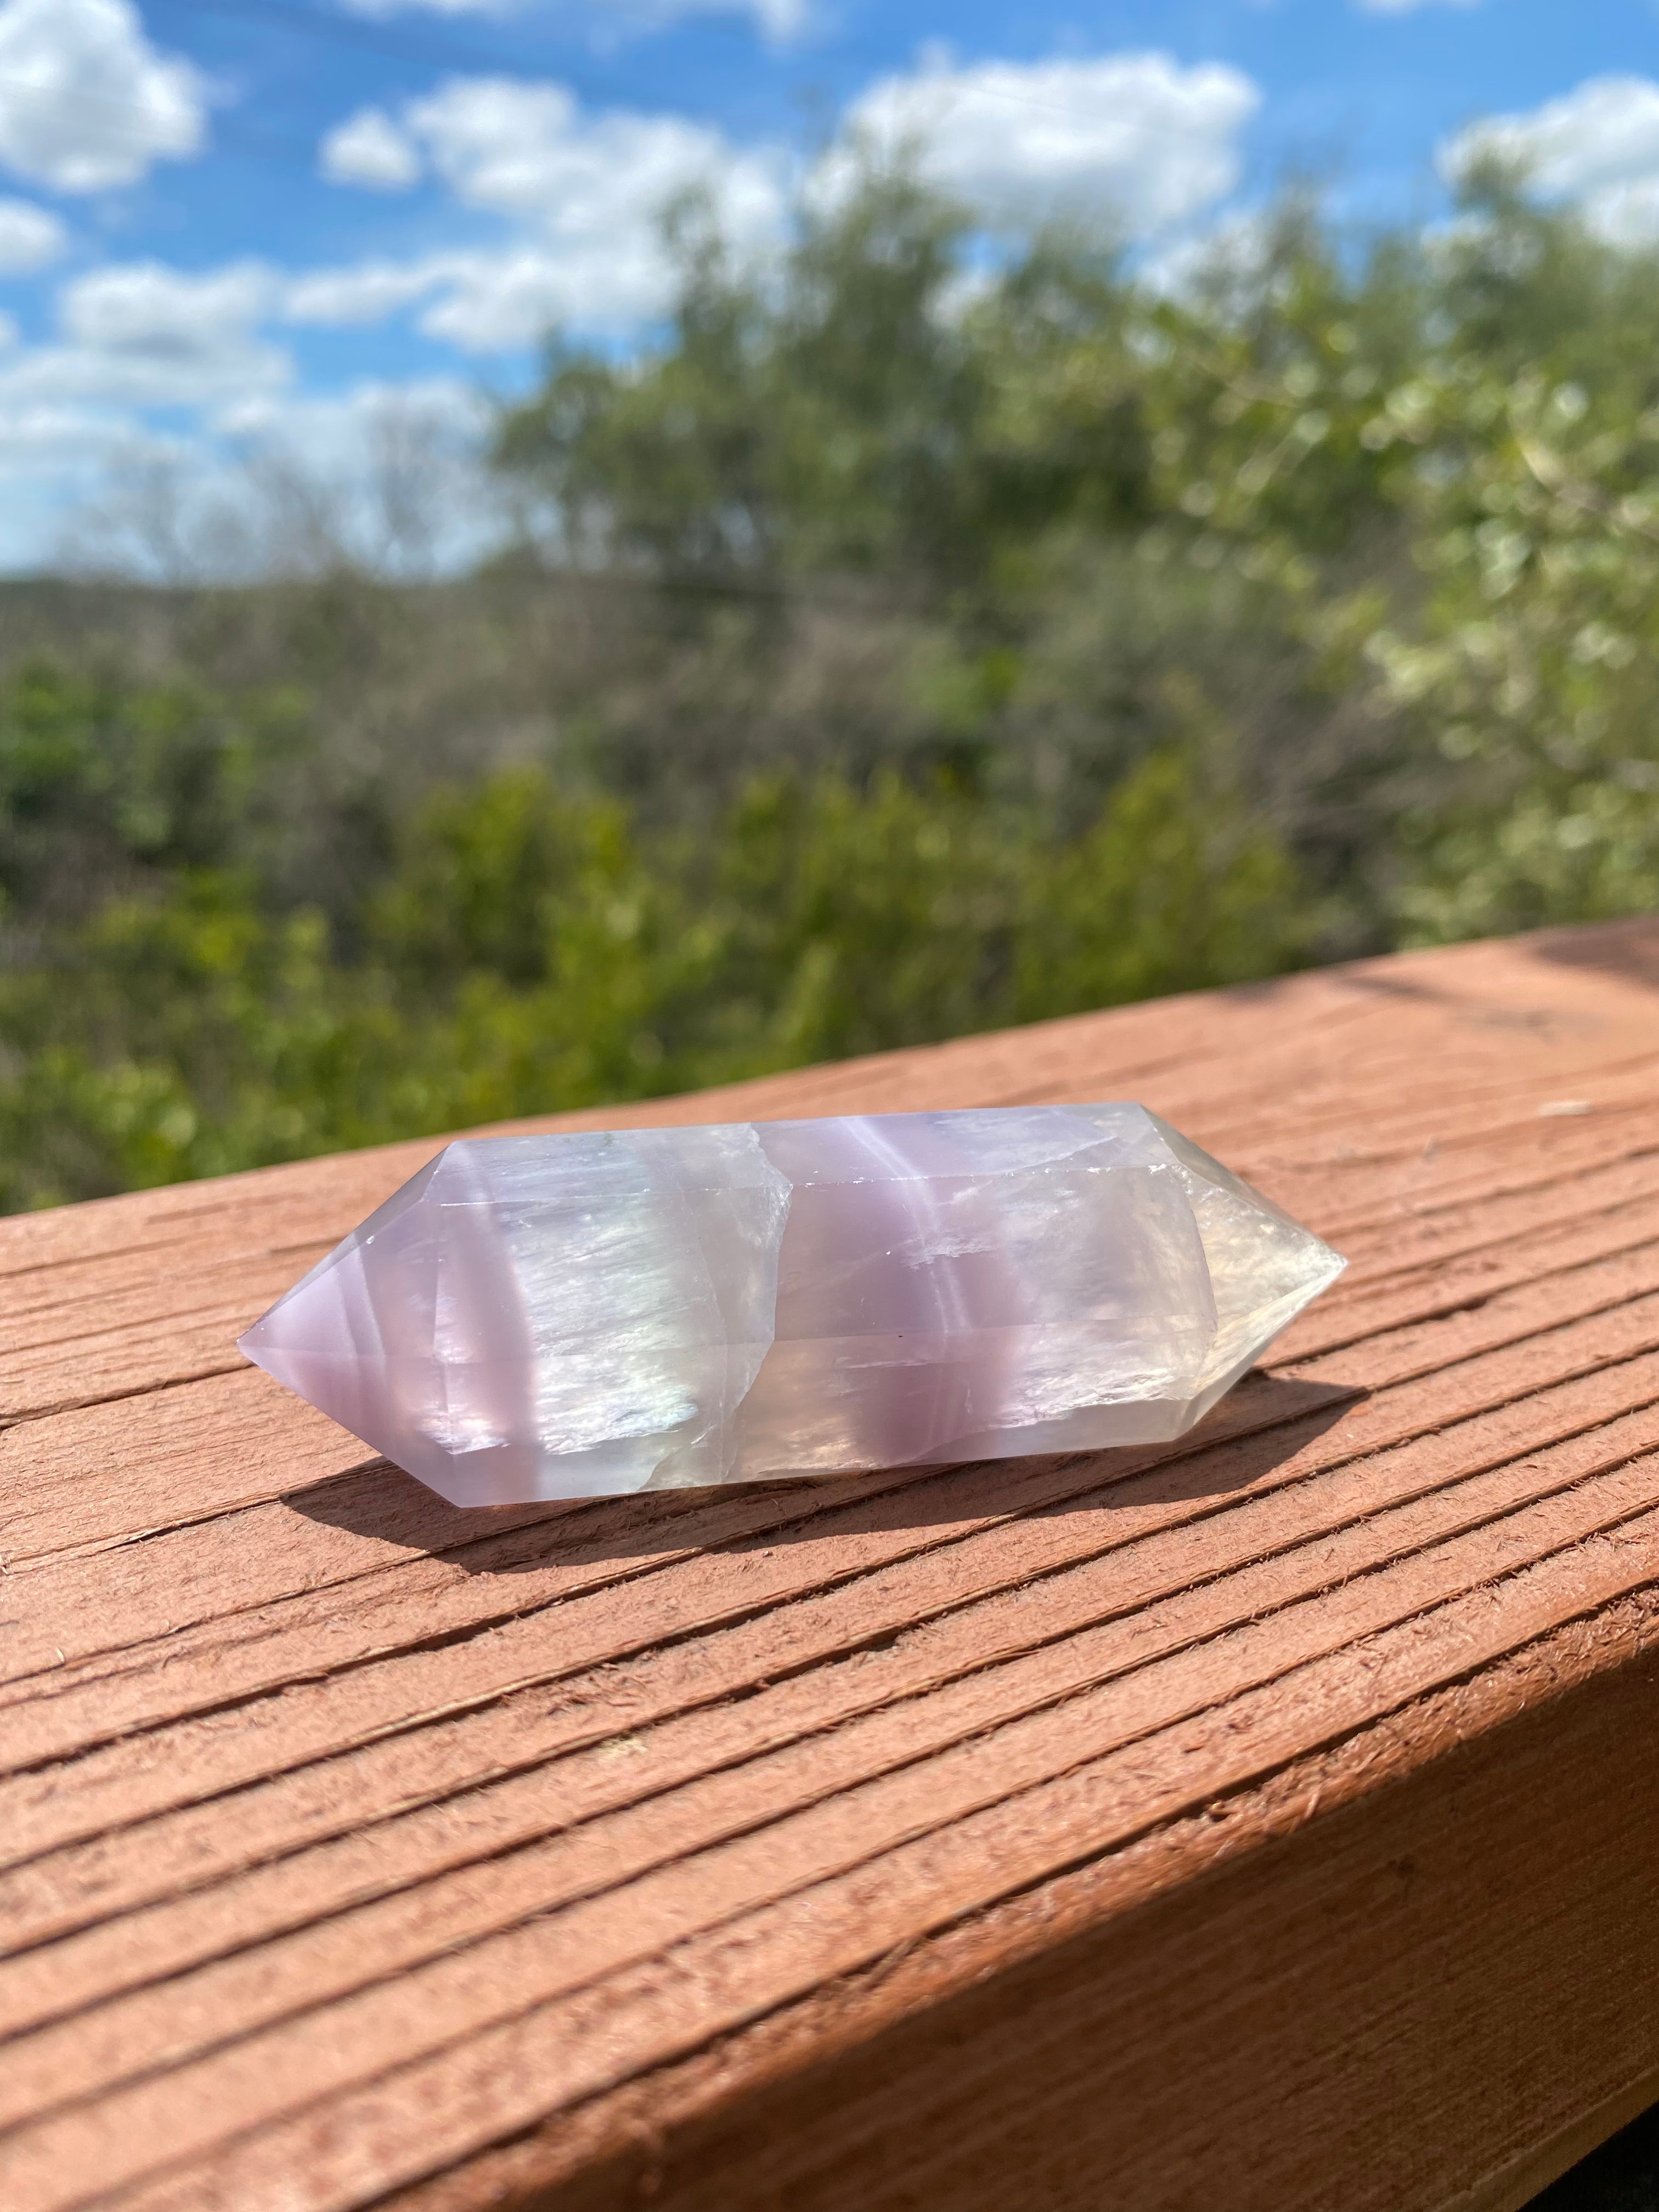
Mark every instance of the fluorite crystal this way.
pixel 535 1317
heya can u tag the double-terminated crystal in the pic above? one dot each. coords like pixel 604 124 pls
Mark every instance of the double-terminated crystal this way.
pixel 558 1317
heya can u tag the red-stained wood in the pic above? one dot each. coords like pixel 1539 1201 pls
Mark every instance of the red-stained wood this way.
pixel 1263 1821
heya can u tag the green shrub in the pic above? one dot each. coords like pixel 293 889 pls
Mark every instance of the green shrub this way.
pixel 913 655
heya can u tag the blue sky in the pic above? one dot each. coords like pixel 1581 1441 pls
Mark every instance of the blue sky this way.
pixel 291 233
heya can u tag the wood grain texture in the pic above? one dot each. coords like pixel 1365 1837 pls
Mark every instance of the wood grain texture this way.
pixel 1259 1821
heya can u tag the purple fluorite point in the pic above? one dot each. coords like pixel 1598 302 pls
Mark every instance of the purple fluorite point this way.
pixel 539 1317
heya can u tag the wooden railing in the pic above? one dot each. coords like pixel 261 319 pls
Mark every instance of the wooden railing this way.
pixel 1258 1822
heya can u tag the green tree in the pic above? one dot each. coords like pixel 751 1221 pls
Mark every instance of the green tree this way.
pixel 932 632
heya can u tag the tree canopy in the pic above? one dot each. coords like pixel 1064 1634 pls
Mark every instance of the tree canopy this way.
pixel 924 631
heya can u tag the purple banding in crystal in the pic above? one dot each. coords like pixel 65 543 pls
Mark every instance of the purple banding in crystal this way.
pixel 565 1317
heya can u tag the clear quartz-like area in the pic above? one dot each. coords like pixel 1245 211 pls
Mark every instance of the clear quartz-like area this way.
pixel 540 1317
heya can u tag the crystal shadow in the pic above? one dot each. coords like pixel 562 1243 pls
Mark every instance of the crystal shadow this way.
pixel 1267 1420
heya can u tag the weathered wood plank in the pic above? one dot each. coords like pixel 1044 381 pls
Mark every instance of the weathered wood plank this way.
pixel 351 1844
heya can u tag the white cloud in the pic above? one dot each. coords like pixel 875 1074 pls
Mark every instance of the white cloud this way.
pixel 331 428
pixel 30 237
pixel 1409 7
pixel 1135 141
pixel 369 149
pixel 1130 138
pixel 263 476
pixel 584 196
pixel 1599 145
pixel 528 151
pixel 778 19
pixel 144 308
pixel 342 298
pixel 45 438
pixel 86 102
pixel 144 335
pixel 489 303
pixel 380 9
pixel 494 300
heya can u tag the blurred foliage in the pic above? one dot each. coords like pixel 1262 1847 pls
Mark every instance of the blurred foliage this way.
pixel 528 948
pixel 928 634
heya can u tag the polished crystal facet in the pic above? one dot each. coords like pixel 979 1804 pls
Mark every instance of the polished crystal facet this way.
pixel 538 1317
